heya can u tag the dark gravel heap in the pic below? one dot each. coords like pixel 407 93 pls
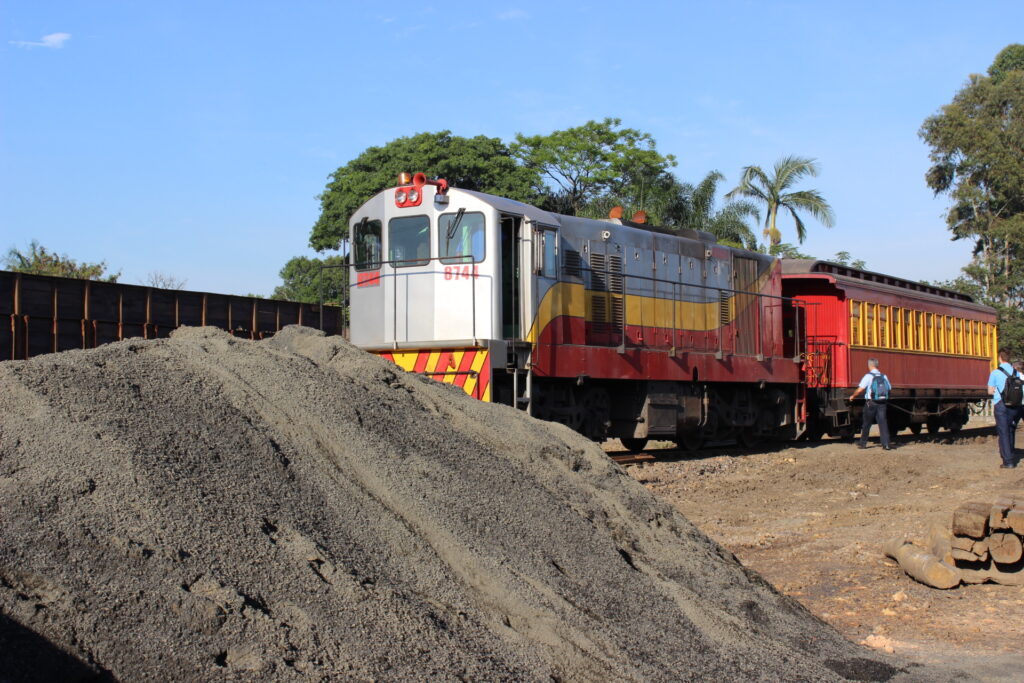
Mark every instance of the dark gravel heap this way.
pixel 205 508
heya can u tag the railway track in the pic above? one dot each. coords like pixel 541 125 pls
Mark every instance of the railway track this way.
pixel 966 435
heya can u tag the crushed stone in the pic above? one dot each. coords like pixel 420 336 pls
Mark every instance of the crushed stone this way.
pixel 208 508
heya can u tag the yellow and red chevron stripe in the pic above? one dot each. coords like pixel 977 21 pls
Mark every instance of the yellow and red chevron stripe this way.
pixel 465 368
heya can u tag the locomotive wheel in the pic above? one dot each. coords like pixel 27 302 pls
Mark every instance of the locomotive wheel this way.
pixel 814 433
pixel 747 437
pixel 594 413
pixel 915 428
pixel 934 425
pixel 954 421
pixel 633 445
pixel 691 441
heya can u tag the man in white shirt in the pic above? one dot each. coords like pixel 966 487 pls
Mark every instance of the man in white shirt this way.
pixel 875 406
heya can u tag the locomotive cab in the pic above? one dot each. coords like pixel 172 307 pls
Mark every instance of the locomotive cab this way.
pixel 440 281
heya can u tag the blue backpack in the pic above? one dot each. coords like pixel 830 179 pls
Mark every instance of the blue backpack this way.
pixel 880 387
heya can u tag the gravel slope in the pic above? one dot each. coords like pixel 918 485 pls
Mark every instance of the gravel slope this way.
pixel 206 508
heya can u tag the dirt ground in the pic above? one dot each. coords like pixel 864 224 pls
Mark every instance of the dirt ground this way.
pixel 811 518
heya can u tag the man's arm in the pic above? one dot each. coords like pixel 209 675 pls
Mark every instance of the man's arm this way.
pixel 865 382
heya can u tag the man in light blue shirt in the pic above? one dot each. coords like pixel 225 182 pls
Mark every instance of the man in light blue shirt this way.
pixel 875 407
pixel 1006 416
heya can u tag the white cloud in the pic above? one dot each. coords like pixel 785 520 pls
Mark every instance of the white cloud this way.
pixel 50 40
pixel 512 14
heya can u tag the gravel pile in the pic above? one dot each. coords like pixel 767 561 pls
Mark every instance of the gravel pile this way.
pixel 207 508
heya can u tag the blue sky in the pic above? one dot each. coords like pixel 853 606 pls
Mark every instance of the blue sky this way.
pixel 192 138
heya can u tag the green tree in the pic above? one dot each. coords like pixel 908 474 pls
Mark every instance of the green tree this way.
pixel 771 191
pixel 728 223
pixel 38 260
pixel 977 154
pixel 596 160
pixel 844 258
pixel 784 250
pixel 303 279
pixel 480 163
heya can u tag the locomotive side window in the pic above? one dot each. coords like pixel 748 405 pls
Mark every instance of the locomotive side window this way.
pixel 547 265
pixel 908 329
pixel 366 240
pixel 409 241
pixel 460 238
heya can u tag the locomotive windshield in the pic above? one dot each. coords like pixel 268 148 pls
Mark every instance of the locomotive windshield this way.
pixel 460 238
pixel 366 238
pixel 409 241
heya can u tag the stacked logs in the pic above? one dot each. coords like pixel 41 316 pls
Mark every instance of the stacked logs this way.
pixel 984 544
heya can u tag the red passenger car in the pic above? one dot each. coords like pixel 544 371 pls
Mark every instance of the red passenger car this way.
pixel 936 346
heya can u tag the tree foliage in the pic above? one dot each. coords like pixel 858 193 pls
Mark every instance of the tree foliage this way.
pixel 728 223
pixel 977 154
pixel 785 250
pixel 38 260
pixel 772 192
pixel 479 163
pixel 596 160
pixel 844 258
pixel 303 280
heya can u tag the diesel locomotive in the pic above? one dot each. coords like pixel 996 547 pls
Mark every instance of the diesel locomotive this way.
pixel 620 329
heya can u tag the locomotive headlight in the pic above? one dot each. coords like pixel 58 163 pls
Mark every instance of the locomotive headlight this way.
pixel 400 197
pixel 414 196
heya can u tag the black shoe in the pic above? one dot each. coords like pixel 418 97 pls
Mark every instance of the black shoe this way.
pixel 861 446
pixel 888 448
pixel 1007 467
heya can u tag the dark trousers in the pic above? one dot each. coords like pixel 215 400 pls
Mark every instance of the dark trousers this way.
pixel 875 412
pixel 1006 427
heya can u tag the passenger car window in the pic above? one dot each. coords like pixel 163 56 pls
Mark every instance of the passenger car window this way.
pixel 460 239
pixel 409 241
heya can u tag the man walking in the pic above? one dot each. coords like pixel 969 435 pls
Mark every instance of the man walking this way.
pixel 1004 387
pixel 877 388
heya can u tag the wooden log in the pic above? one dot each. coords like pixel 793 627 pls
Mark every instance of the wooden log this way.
pixel 968 556
pixel 939 543
pixel 997 517
pixel 974 572
pixel 962 543
pixel 1012 575
pixel 922 565
pixel 1005 548
pixel 980 547
pixel 1015 518
pixel 971 519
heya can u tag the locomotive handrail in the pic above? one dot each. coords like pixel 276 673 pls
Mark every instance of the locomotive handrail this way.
pixel 797 303
pixel 676 285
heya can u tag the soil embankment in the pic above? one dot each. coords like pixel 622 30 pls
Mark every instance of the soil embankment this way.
pixel 203 508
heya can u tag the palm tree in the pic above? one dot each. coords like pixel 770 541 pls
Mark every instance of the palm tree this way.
pixel 729 223
pixel 771 191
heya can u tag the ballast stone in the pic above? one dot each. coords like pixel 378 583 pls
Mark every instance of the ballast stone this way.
pixel 295 509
